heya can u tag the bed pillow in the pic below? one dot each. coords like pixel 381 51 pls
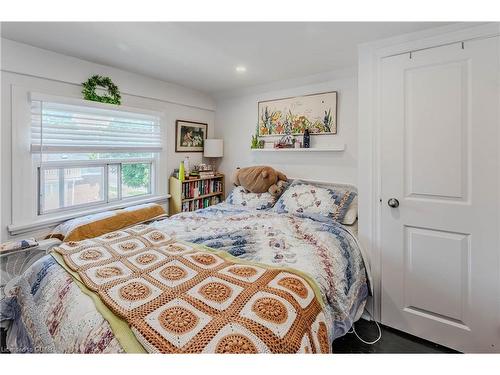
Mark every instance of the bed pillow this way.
pixel 309 200
pixel 257 201
pixel 95 225
pixel 351 214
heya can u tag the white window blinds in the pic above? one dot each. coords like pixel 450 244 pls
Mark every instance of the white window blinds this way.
pixel 61 127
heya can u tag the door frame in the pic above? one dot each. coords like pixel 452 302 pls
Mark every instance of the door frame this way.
pixel 370 56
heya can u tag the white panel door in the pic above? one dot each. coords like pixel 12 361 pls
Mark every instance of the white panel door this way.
pixel 440 160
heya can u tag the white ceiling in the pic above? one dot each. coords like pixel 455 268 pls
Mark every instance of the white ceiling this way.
pixel 204 55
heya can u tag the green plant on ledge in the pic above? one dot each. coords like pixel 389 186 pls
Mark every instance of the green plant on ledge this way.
pixel 255 139
pixel 89 87
pixel 255 142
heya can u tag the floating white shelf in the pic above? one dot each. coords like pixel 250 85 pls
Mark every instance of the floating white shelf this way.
pixel 329 149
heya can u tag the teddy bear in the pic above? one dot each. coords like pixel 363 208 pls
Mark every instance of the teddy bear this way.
pixel 260 179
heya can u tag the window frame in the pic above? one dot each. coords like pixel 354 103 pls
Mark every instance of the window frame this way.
pixel 24 216
pixel 105 163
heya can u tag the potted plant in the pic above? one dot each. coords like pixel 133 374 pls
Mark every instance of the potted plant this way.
pixel 255 138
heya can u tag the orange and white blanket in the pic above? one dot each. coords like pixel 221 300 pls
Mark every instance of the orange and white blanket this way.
pixel 179 297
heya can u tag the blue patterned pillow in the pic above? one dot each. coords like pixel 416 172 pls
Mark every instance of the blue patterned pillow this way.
pixel 305 199
pixel 240 197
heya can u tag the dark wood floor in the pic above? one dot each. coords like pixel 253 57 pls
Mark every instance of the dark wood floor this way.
pixel 392 341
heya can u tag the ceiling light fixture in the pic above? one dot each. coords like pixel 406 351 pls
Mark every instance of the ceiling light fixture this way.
pixel 241 69
pixel 123 47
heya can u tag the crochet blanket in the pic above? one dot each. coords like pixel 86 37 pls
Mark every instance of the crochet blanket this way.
pixel 184 298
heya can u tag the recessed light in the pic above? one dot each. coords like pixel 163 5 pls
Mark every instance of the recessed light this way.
pixel 122 46
pixel 241 69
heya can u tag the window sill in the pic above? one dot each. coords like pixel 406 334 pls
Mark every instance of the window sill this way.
pixel 15 229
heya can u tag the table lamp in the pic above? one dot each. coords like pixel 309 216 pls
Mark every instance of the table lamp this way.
pixel 213 148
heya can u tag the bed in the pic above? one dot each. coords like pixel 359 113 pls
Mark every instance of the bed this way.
pixel 53 312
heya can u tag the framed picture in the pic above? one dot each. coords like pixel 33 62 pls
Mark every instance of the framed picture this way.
pixel 190 136
pixel 316 112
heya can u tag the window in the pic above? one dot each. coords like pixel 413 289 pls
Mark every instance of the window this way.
pixel 68 187
pixel 91 155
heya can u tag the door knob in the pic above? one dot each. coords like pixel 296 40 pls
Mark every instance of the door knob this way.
pixel 393 202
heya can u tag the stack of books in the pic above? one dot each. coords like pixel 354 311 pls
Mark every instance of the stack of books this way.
pixel 207 174
pixel 194 175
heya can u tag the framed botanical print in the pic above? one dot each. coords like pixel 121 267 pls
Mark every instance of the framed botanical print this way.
pixel 190 136
pixel 316 113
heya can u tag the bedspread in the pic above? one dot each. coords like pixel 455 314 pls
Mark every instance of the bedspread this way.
pixel 324 250
pixel 185 298
pixel 56 316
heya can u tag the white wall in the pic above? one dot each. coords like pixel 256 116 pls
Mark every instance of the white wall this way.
pixel 48 72
pixel 236 119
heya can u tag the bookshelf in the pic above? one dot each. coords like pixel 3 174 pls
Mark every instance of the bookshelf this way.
pixel 194 194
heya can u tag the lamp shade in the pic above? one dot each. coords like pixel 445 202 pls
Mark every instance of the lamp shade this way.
pixel 213 148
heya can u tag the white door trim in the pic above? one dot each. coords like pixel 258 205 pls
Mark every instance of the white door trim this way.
pixel 369 179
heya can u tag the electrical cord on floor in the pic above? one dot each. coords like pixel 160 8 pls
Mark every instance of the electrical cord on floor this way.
pixel 353 330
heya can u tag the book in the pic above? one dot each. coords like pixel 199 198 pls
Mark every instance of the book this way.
pixel 207 174
pixel 194 189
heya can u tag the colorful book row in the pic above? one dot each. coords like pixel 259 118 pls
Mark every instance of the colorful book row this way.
pixel 196 188
pixel 200 203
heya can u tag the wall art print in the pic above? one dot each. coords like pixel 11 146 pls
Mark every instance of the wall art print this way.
pixel 316 112
pixel 190 136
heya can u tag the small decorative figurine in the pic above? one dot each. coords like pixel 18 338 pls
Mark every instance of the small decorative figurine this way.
pixel 285 142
